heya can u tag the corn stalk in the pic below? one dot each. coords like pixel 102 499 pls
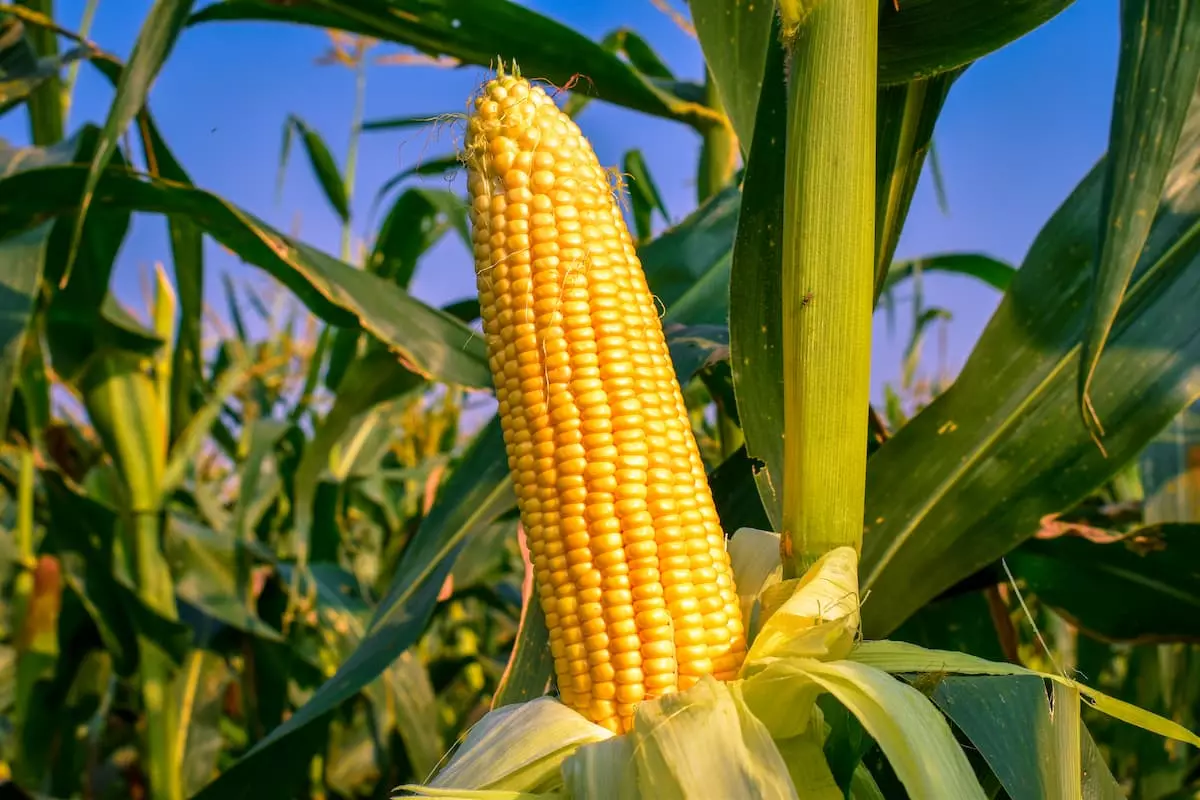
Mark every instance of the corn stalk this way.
pixel 828 265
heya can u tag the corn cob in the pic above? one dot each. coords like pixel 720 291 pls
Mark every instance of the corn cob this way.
pixel 629 557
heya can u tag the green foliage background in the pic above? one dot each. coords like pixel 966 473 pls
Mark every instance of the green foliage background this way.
pixel 279 564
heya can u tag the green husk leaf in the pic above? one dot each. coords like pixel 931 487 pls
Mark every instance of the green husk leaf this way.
pixel 911 732
pixel 806 763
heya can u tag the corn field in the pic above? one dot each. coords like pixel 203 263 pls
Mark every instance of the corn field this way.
pixel 623 521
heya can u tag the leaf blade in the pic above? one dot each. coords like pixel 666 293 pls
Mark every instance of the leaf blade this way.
pixel 1157 77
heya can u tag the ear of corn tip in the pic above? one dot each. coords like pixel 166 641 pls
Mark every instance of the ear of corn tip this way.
pixel 629 558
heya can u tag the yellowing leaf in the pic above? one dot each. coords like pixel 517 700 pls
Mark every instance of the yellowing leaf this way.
pixel 1066 724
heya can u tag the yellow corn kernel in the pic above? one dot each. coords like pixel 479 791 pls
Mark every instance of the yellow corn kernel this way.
pixel 628 555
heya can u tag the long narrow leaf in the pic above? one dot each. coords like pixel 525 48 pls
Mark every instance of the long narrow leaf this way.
pixel 905 118
pixel 320 159
pixel 1156 79
pixel 46 113
pixel 478 491
pixel 434 343
pixel 735 37
pixel 984 268
pixel 155 41
pixel 901 657
pixel 943 498
pixel 466 30
pixel 755 339
pixel 23 257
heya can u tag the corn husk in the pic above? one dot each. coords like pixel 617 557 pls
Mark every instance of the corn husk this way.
pixel 763 734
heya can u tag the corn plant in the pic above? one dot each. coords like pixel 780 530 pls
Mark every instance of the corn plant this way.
pixel 279 559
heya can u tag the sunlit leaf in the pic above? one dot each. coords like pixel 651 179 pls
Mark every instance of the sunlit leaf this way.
pixel 1156 78
pixel 972 475
pixel 433 342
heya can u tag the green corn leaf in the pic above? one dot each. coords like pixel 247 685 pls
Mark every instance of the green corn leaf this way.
pixel 991 271
pixel 1157 76
pixel 756 283
pixel 928 524
pixel 193 437
pixel 199 692
pixel 531 666
pixel 901 657
pixel 736 38
pixel 478 492
pixel 204 564
pixel 1008 720
pixel 465 30
pixel 689 263
pixel 155 40
pixel 1141 588
pixel 369 381
pixel 643 194
pixel 923 38
pixel 320 159
pixel 434 343
pixel 905 118
pixel 402 123
pixel 23 257
pixel 417 221
pixel 37 43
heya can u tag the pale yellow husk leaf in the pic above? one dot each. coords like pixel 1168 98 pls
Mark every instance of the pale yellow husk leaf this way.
pixel 518 747
pixel 754 556
pixel 761 735
pixel 687 745
pixel 814 616
pixel 430 793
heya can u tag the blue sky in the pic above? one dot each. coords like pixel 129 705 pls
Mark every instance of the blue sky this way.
pixel 1019 130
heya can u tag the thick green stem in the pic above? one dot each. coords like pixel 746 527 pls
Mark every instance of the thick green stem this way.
pixel 828 277
pixel 23 586
pixel 28 668
pixel 157 592
pixel 123 402
pixel 46 125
